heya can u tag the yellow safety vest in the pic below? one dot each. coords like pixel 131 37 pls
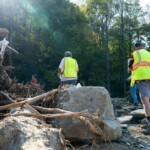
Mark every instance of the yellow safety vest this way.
pixel 70 68
pixel 141 66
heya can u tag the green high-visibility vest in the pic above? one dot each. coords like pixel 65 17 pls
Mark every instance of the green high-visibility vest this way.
pixel 141 65
pixel 70 68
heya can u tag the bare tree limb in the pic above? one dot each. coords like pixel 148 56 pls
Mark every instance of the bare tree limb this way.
pixel 44 116
pixel 57 110
pixel 6 95
pixel 93 127
pixel 29 100
pixel 31 109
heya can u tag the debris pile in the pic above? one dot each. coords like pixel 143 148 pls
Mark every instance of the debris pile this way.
pixel 19 91
pixel 32 101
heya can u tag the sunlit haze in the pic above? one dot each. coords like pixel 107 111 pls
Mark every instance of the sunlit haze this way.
pixel 143 3
pixel 78 2
pixel 75 1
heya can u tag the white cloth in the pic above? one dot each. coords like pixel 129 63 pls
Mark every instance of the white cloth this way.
pixel 61 66
pixel 3 45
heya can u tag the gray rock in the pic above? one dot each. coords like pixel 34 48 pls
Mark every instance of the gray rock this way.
pixel 124 126
pixel 138 113
pixel 91 98
pixel 125 119
pixel 27 133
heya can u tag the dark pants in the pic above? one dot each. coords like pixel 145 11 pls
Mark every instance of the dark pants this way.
pixel 70 82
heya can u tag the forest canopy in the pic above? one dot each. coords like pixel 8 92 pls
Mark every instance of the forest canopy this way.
pixel 100 34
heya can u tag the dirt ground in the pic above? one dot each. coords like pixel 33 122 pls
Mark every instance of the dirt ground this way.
pixel 106 146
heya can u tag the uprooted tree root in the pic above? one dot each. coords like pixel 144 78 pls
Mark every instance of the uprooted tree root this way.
pixel 93 122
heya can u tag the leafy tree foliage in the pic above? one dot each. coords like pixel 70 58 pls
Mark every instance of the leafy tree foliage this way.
pixel 99 35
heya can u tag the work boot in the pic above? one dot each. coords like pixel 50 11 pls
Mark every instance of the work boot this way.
pixel 146 131
pixel 135 104
pixel 144 126
pixel 139 106
pixel 144 121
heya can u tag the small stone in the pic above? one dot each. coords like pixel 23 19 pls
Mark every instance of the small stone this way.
pixel 127 143
pixel 124 126
pixel 125 119
pixel 138 113
pixel 141 146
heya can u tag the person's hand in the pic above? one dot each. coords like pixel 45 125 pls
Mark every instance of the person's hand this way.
pixel 59 75
pixel 129 69
pixel 129 78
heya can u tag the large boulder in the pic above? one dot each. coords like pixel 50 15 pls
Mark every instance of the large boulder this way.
pixel 91 98
pixel 27 133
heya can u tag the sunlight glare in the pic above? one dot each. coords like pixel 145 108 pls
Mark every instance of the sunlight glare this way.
pixel 78 2
pixel 143 3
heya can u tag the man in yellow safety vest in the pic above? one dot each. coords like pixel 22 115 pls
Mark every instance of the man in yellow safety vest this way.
pixel 140 68
pixel 68 70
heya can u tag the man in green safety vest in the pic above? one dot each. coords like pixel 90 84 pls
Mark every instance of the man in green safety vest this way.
pixel 140 68
pixel 68 70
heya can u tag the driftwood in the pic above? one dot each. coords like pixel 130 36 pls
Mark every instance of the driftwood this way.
pixel 91 124
pixel 29 100
pixel 7 97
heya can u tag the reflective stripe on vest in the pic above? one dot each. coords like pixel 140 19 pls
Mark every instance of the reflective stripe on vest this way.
pixel 70 68
pixel 141 63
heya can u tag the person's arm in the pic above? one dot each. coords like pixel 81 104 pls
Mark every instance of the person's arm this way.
pixel 130 63
pixel 61 67
pixel 59 71
pixel 77 67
